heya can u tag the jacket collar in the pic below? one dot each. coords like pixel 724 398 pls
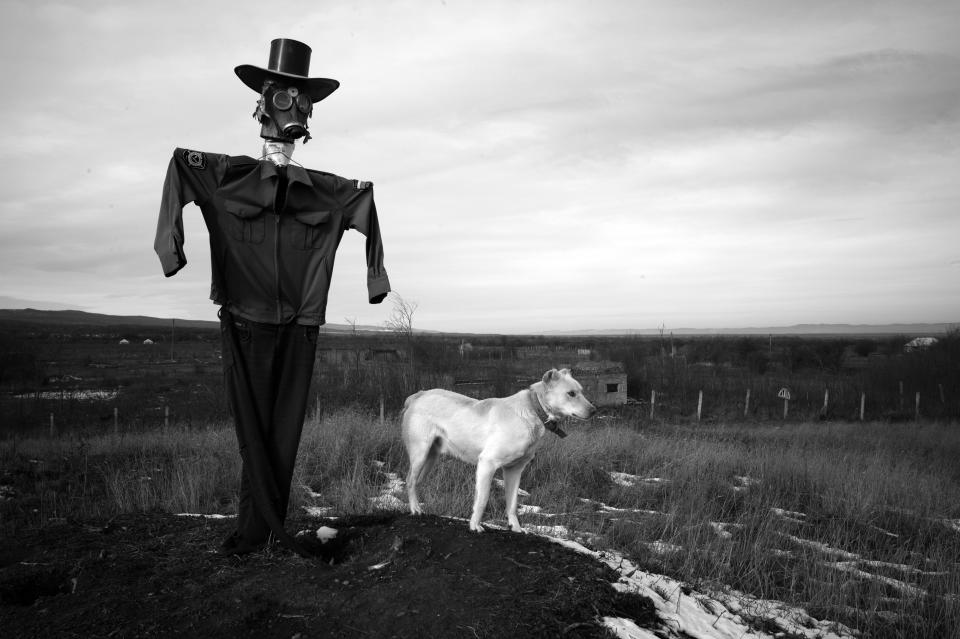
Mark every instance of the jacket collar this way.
pixel 551 424
pixel 295 173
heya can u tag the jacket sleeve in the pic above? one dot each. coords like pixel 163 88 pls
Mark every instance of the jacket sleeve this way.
pixel 360 213
pixel 192 176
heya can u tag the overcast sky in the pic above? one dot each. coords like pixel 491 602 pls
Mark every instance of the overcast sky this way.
pixel 537 165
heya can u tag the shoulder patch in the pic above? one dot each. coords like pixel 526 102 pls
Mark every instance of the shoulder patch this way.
pixel 363 186
pixel 195 159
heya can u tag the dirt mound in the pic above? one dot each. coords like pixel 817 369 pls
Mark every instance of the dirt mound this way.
pixel 386 575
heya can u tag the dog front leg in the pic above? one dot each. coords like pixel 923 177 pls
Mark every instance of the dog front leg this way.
pixel 485 471
pixel 511 485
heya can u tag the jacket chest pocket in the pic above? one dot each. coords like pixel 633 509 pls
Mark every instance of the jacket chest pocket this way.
pixel 310 229
pixel 245 222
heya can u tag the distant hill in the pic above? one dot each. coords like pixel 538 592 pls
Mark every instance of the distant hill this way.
pixel 796 329
pixel 82 318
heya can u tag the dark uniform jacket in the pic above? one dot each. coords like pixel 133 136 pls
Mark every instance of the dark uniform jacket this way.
pixel 273 233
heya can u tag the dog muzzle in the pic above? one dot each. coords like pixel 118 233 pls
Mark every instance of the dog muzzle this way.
pixel 283 113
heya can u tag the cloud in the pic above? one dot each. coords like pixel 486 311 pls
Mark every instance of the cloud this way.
pixel 537 165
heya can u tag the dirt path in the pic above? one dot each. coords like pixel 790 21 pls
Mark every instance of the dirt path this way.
pixel 155 575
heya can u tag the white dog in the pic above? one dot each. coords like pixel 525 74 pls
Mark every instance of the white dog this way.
pixel 500 432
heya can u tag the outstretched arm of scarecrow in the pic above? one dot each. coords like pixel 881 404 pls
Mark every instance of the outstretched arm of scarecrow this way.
pixel 191 177
pixel 362 216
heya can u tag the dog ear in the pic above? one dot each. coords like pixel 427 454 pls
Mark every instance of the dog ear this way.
pixel 550 376
pixel 564 372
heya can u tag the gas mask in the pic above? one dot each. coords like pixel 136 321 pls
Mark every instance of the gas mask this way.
pixel 283 112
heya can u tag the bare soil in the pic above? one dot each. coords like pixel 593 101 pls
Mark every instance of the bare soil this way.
pixel 385 575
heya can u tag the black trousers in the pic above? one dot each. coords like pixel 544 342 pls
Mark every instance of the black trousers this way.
pixel 267 371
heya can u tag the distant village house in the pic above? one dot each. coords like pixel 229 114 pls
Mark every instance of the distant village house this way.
pixel 919 344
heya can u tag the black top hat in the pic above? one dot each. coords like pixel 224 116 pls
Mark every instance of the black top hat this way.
pixel 289 64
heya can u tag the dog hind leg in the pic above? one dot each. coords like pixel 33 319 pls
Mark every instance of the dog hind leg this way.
pixel 420 452
pixel 485 471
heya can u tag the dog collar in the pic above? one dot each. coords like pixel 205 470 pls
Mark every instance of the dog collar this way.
pixel 549 423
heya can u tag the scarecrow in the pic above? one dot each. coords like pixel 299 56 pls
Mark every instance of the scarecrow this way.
pixel 274 229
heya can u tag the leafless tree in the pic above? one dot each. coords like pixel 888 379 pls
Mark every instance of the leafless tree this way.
pixel 352 323
pixel 401 319
pixel 401 323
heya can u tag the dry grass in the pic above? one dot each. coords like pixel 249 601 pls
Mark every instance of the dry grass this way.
pixel 873 497
pixel 869 544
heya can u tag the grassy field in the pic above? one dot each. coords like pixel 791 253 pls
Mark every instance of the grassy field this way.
pixel 858 523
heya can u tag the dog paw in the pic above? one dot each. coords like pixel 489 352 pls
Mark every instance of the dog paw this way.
pixel 476 527
pixel 416 510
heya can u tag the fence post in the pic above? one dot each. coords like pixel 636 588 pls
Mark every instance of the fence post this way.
pixel 863 402
pixel 381 411
pixel 166 417
pixel 943 400
pixel 746 404
pixel 699 404
pixel 116 421
pixel 653 402
pixel 786 408
pixel 826 400
pixel 53 427
pixel 916 412
pixel 901 396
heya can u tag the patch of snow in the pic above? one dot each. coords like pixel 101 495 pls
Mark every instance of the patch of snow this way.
pixel 623 479
pixel 309 492
pixel 851 563
pixel 885 532
pixel 902 568
pixel 205 516
pixel 530 510
pixel 626 629
pixel 789 515
pixel 822 547
pixel 686 613
pixel 93 395
pixel 953 524
pixel 520 491
pixel 721 527
pixel 386 500
pixel 851 568
pixel 602 507
pixel 627 480
pixel 744 482
pixel 560 532
pixel 318 511
pixel 660 547
pixel 393 482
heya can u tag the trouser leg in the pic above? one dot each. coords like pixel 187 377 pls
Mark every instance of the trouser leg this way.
pixel 248 366
pixel 296 350
pixel 267 372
